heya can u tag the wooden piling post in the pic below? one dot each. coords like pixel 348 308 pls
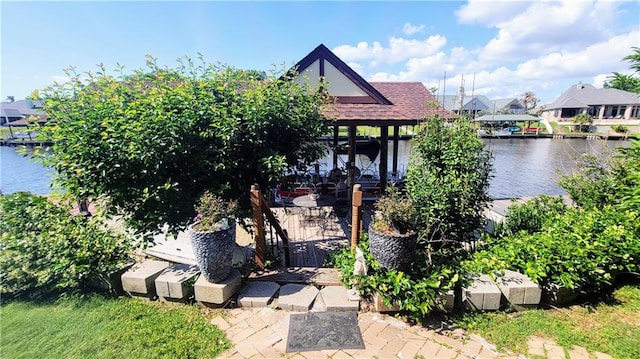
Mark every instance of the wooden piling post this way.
pixel 356 203
pixel 258 223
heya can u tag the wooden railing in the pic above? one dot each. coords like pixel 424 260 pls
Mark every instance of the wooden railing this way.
pixel 261 211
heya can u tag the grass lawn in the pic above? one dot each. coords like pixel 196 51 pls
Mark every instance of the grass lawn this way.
pixel 611 327
pixel 98 327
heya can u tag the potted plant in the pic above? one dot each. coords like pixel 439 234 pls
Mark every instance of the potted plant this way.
pixel 213 236
pixel 392 233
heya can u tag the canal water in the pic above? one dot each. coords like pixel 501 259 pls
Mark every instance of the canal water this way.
pixel 521 168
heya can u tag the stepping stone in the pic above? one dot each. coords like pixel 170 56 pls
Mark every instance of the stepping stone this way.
pixel 518 288
pixel 256 294
pixel 217 293
pixel 336 299
pixel 176 282
pixel 483 294
pixel 297 297
pixel 139 279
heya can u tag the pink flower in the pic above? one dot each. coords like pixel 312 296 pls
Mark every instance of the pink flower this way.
pixel 197 217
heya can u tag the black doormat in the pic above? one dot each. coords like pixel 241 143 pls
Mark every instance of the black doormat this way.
pixel 324 330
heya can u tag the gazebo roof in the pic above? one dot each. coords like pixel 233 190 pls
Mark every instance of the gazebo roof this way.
pixel 359 102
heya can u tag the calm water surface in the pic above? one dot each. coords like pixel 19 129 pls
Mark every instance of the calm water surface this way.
pixel 522 167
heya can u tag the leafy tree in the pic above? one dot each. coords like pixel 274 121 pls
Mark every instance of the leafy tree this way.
pixel 448 179
pixel 624 82
pixel 151 142
pixel 529 100
pixel 634 59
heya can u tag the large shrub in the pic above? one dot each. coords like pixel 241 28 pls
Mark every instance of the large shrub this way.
pixel 581 248
pixel 44 249
pixel 447 179
pixel 150 143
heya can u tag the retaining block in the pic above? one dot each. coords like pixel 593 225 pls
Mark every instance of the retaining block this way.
pixel 379 306
pixel 139 279
pixel 257 294
pixel 448 299
pixel 297 297
pixel 336 299
pixel 483 294
pixel 518 288
pixel 176 282
pixel 217 293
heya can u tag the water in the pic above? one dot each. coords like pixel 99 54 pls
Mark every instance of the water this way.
pixel 20 173
pixel 522 167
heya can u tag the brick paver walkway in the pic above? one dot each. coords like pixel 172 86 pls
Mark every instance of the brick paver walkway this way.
pixel 262 333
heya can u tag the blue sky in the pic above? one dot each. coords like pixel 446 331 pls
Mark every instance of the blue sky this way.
pixel 511 46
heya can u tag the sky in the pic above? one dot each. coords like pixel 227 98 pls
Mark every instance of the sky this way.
pixel 500 49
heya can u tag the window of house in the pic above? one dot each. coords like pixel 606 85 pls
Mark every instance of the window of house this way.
pixel 635 111
pixel 570 112
pixel 594 111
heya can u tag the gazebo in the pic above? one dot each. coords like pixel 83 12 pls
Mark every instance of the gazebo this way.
pixel 361 103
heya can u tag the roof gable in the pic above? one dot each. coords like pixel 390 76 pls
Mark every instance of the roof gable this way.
pixel 339 79
pixel 585 95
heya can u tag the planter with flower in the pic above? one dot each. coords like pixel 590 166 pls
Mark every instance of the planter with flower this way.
pixel 392 233
pixel 213 236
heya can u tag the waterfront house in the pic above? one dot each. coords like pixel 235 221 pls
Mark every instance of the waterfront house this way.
pixel 18 113
pixel 472 106
pixel 605 105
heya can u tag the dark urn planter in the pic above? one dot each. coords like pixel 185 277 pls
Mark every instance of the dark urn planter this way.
pixel 214 252
pixel 393 251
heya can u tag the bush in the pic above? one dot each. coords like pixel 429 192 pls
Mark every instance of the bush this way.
pixel 620 128
pixel 581 248
pixel 598 180
pixel 531 215
pixel 45 249
pixel 417 292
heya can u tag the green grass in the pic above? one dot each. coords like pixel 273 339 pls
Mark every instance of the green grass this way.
pixel 97 327
pixel 611 327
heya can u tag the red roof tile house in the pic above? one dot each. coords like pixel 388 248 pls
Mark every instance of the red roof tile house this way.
pixel 362 103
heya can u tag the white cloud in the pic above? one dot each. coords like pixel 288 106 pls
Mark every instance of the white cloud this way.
pixel 398 50
pixel 489 13
pixel 543 47
pixel 409 29
pixel 550 26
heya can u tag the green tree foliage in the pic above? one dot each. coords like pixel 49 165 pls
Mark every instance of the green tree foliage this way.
pixel 624 82
pixel 45 249
pixel 583 122
pixel 448 179
pixel 151 142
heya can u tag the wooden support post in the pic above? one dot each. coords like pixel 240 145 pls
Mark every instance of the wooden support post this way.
pixel 258 223
pixel 356 203
pixel 384 154
pixel 351 178
pixel 396 137
pixel 336 134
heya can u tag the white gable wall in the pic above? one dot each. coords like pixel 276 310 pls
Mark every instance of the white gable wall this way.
pixel 338 84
